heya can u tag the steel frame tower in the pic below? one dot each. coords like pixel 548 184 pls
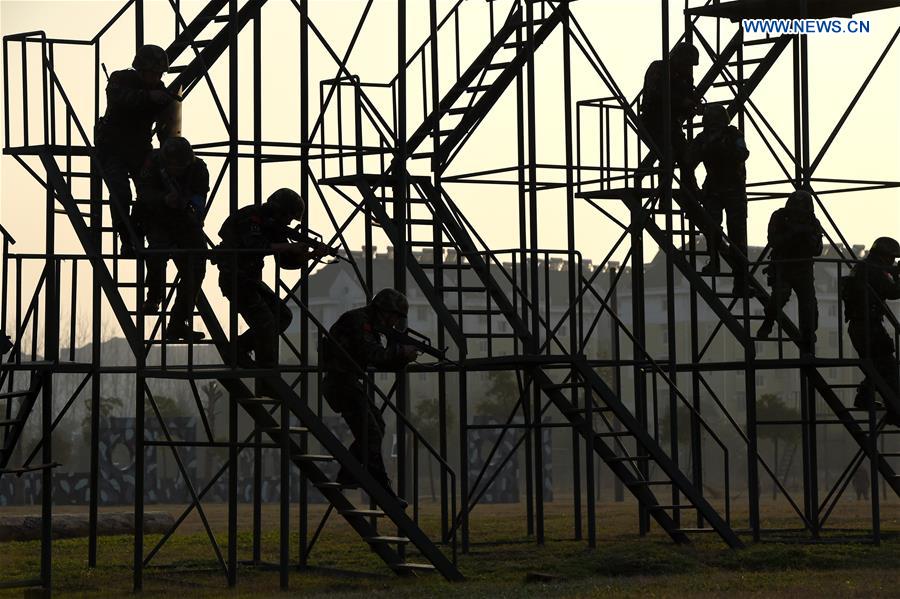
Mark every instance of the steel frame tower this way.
pixel 390 165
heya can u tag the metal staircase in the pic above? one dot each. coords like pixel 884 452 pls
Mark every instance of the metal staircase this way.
pixel 623 464
pixel 733 316
pixel 357 518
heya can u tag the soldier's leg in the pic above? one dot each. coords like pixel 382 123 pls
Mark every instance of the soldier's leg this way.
pixel 885 362
pixel 191 268
pixel 859 338
pixel 736 208
pixel 781 294
pixel 159 238
pixel 116 173
pixel 803 283
pixel 271 323
pixel 714 208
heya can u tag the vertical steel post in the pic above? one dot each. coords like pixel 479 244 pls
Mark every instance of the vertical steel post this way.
pixel 304 277
pixel 96 223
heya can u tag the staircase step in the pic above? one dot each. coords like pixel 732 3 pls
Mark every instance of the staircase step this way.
pixel 411 566
pixel 692 530
pixel 385 539
pixel 464 289
pixel 306 457
pixel 12 422
pixel 672 507
pixel 631 458
pixel 14 394
pixel 365 513
pixel 458 110
pixel 478 88
pixel 258 401
pixel 765 40
pixel 335 486
pixel 649 483
pixel 745 62
pixel 497 66
pixel 294 430
pixel 178 68
pixel 726 84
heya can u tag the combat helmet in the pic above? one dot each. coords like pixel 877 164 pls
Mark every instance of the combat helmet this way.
pixel 886 246
pixel 715 116
pixel 150 58
pixel 685 52
pixel 288 202
pixel 391 300
pixel 800 200
pixel 177 152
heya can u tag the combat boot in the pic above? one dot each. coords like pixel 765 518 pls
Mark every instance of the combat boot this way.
pixel 180 331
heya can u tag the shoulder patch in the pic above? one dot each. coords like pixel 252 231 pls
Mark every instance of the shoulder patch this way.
pixel 367 327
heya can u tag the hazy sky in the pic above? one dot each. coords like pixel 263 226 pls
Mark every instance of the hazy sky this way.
pixel 624 32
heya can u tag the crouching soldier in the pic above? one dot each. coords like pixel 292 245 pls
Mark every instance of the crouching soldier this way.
pixel 171 202
pixel 353 344
pixel 872 281
pixel 135 100
pixel 722 150
pixel 795 236
pixel 264 228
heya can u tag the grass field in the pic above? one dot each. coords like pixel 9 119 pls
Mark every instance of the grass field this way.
pixel 500 560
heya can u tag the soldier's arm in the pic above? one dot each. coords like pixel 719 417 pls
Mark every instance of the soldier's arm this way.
pixel 150 188
pixel 376 354
pixel 120 94
pixel 778 232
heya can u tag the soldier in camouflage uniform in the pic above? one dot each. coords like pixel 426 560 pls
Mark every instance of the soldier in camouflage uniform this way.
pixel 264 228
pixel 684 100
pixel 722 150
pixel 353 344
pixel 135 99
pixel 871 282
pixel 171 202
pixel 795 236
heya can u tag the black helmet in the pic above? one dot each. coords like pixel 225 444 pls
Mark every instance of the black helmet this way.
pixel 800 200
pixel 288 202
pixel 686 53
pixel 391 300
pixel 715 115
pixel 177 152
pixel 150 58
pixel 886 246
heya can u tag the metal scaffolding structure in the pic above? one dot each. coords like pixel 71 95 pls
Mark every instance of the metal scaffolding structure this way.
pixel 383 152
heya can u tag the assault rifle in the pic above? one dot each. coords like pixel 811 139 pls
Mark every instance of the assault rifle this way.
pixel 416 340
pixel 313 241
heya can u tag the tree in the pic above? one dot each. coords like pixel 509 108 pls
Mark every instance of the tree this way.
pixel 169 407
pixel 500 397
pixel 426 417
pixel 214 394
pixel 109 406
pixel 771 407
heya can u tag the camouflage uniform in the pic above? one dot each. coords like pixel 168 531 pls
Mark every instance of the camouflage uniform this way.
pixel 723 152
pixel 360 346
pixel 240 279
pixel 123 139
pixel 795 234
pixel 179 227
pixel 864 312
